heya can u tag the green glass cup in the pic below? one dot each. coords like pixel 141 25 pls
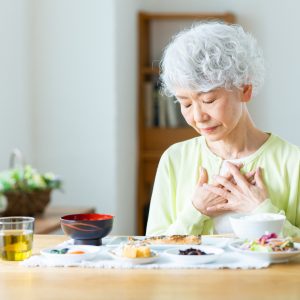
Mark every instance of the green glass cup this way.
pixel 16 238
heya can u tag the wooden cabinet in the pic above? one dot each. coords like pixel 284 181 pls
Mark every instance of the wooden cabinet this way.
pixel 155 132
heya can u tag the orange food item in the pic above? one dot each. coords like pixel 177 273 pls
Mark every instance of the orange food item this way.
pixel 136 251
pixel 76 252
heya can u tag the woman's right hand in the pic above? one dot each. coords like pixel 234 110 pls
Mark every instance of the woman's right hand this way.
pixel 202 199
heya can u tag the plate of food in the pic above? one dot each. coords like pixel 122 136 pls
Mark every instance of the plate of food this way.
pixel 162 242
pixel 134 253
pixel 70 254
pixel 268 248
pixel 194 255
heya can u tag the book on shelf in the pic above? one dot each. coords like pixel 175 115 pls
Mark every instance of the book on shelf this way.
pixel 149 104
pixel 161 110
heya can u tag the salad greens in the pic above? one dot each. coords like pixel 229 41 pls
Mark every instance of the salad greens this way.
pixel 269 243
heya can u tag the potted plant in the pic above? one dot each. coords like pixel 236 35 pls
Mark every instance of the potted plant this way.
pixel 23 190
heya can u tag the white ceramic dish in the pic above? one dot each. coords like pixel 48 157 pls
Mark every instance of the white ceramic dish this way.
pixel 220 242
pixel 115 253
pixel 254 226
pixel 90 253
pixel 214 254
pixel 272 257
pixel 117 241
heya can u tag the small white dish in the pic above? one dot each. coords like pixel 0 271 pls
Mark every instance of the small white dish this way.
pixel 213 253
pixel 219 242
pixel 90 252
pixel 272 257
pixel 135 261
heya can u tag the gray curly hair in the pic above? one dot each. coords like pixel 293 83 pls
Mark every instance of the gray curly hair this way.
pixel 211 55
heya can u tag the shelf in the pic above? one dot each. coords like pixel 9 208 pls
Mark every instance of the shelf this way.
pixel 159 139
pixel 150 71
pixel 228 17
pixel 151 155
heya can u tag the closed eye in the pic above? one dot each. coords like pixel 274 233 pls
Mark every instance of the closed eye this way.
pixel 209 101
pixel 186 105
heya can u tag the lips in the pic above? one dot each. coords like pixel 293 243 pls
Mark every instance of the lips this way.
pixel 208 129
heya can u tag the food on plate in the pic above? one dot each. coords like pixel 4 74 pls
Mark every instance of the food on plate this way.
pixel 269 243
pixel 192 251
pixel 136 250
pixel 66 251
pixel 171 239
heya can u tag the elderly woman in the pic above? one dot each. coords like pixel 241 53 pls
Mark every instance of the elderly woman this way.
pixel 214 70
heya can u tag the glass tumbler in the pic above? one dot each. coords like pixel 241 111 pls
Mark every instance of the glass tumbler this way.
pixel 16 238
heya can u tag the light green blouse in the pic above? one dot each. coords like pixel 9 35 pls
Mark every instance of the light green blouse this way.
pixel 171 210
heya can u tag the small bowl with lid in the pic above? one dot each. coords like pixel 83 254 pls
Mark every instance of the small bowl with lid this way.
pixel 87 229
pixel 253 226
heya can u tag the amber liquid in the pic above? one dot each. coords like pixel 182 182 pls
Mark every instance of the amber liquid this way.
pixel 16 244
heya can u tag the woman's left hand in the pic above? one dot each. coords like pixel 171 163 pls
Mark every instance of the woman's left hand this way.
pixel 243 196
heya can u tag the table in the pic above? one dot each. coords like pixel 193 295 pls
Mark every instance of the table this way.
pixel 281 281
pixel 50 220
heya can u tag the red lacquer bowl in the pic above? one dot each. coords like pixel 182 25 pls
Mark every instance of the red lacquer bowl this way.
pixel 87 229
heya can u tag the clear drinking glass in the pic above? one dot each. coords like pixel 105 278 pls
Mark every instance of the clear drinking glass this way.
pixel 16 237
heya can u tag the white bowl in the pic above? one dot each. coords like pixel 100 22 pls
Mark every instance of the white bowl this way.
pixel 253 226
pixel 89 253
pixel 213 253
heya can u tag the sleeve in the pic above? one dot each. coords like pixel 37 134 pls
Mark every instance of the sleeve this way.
pixel 288 228
pixel 163 216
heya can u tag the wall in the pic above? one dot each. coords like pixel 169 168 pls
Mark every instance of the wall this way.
pixel 75 114
pixel 126 118
pixel 15 81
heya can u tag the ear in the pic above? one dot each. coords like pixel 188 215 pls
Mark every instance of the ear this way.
pixel 247 92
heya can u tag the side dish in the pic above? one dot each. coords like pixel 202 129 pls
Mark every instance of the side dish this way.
pixel 66 251
pixel 192 251
pixel 136 250
pixel 269 243
pixel 171 239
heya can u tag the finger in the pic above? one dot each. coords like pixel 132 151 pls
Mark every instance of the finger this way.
pixel 203 176
pixel 239 165
pixel 250 175
pixel 258 178
pixel 238 177
pixel 227 174
pixel 216 190
pixel 219 207
pixel 227 184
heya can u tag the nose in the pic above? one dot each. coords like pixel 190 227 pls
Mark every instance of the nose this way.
pixel 199 114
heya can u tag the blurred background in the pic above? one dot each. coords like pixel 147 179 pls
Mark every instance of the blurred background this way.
pixel 68 88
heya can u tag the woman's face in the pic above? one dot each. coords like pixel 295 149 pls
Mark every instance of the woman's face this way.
pixel 215 114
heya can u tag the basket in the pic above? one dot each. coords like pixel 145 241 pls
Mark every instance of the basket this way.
pixel 24 203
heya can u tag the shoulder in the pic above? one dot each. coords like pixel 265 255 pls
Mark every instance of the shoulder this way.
pixel 283 147
pixel 186 151
pixel 185 147
pixel 283 154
